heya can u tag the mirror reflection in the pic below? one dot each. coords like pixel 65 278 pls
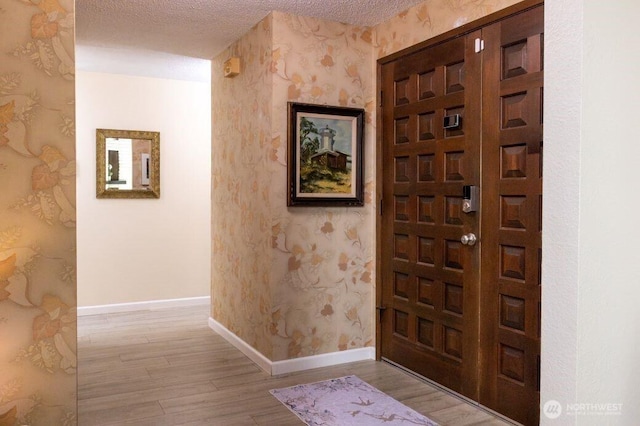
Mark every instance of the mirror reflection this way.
pixel 127 164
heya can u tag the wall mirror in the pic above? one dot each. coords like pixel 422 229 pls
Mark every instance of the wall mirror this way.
pixel 127 164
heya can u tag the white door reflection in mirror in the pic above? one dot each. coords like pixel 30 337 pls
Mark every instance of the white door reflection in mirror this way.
pixel 145 160
pixel 140 148
pixel 119 165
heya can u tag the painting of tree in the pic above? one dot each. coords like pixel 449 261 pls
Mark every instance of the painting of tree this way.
pixel 324 141
pixel 308 146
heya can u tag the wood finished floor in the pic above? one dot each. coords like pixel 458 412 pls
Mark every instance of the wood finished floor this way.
pixel 167 367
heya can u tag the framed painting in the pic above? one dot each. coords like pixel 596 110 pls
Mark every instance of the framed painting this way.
pixel 325 155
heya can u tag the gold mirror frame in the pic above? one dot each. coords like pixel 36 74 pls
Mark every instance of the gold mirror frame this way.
pixel 153 190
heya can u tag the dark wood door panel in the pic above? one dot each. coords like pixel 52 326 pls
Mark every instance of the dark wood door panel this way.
pixel 511 222
pixel 431 321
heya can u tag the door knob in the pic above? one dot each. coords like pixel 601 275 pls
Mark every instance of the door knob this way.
pixel 469 239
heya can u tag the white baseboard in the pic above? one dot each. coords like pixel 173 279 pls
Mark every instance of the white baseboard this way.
pixel 291 365
pixel 255 356
pixel 323 360
pixel 142 306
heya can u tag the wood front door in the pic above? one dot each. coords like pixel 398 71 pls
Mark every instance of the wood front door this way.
pixel 430 279
pixel 457 114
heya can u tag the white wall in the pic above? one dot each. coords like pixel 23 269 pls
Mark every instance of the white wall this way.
pixel 142 250
pixel 609 296
pixel 561 201
pixel 591 266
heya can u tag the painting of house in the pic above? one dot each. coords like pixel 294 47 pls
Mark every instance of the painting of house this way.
pixel 326 155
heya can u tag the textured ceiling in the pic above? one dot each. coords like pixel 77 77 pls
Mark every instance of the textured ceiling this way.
pixel 203 28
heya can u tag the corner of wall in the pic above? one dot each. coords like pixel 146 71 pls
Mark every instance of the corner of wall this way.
pixel 241 223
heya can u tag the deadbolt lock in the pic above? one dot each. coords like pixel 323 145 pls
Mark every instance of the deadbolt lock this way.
pixel 470 198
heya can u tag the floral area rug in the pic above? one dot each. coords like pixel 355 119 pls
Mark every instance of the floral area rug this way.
pixel 347 401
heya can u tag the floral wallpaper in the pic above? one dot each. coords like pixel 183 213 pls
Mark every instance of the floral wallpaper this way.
pixel 37 213
pixel 295 282
pixel 323 258
pixel 429 19
pixel 290 282
pixel 241 217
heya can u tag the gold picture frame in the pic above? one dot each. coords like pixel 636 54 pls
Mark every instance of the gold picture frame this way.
pixel 143 178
